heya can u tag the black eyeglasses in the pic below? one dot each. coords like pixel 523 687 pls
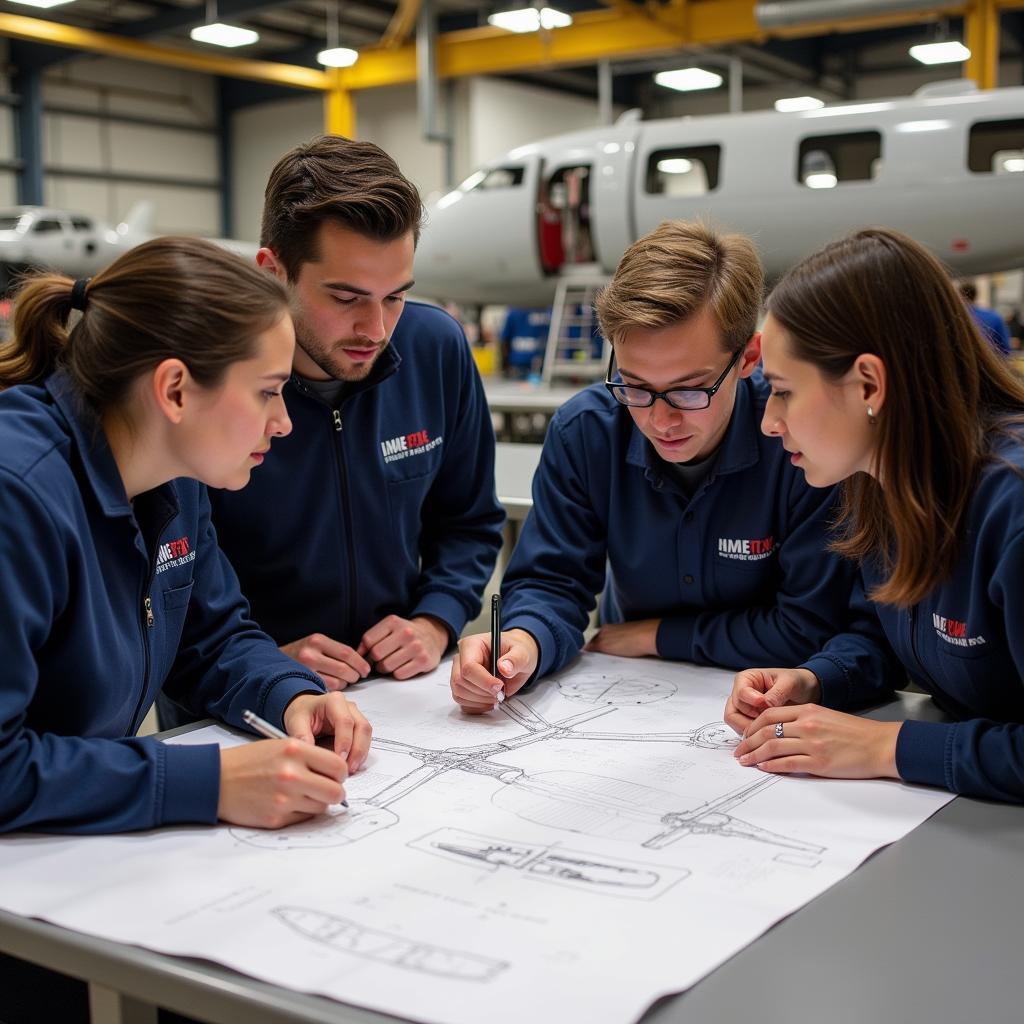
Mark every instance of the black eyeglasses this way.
pixel 679 398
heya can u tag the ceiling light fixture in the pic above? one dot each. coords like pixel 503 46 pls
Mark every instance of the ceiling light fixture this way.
pixel 950 52
pixel 792 103
pixel 43 4
pixel 335 56
pixel 217 33
pixel 688 79
pixel 530 19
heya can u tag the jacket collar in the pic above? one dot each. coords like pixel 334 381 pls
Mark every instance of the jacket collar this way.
pixel 738 451
pixel 87 434
pixel 98 460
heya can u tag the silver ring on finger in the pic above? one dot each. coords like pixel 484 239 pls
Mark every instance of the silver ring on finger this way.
pixel 779 731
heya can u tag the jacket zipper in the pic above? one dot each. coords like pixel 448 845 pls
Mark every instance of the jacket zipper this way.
pixel 353 594
pixel 913 645
pixel 150 621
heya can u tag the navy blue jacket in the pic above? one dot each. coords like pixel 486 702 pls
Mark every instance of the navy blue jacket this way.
pixel 963 644
pixel 385 505
pixel 99 606
pixel 738 573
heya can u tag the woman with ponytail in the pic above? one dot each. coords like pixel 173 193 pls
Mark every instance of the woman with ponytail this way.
pixel 123 396
pixel 881 379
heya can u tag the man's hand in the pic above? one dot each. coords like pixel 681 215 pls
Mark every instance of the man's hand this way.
pixel 335 663
pixel 754 690
pixel 474 689
pixel 627 639
pixel 329 714
pixel 404 648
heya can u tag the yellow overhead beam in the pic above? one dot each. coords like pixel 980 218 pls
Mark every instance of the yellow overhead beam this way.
pixel 625 32
pixel 36 30
pixel 402 23
pixel 339 109
pixel 982 32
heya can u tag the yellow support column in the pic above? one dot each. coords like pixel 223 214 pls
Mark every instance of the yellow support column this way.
pixel 339 108
pixel 982 24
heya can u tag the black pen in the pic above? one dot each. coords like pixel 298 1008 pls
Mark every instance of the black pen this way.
pixel 496 640
pixel 271 732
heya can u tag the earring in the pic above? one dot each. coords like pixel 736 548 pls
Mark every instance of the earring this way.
pixel 871 416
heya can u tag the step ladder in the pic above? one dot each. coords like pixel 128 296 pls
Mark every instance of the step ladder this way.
pixel 573 331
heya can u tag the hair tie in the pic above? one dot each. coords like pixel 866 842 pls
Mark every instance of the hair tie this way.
pixel 78 297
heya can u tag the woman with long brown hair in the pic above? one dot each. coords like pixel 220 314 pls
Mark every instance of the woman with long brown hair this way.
pixel 113 583
pixel 881 379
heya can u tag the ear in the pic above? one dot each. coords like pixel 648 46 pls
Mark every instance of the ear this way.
pixel 267 259
pixel 751 355
pixel 871 378
pixel 169 384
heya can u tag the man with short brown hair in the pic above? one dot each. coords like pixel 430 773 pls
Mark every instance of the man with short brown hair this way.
pixel 714 544
pixel 368 538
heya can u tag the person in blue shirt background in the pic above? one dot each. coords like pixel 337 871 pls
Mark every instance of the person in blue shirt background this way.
pixel 993 326
pixel 367 542
pixel 714 543
pixel 524 339
pixel 113 584
pixel 881 379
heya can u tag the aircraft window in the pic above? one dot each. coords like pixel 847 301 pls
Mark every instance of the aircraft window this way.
pixel 81 224
pixel 995 147
pixel 43 227
pixel 683 172
pixel 828 160
pixel 9 223
pixel 501 177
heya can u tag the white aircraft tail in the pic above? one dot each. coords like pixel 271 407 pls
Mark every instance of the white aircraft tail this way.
pixel 139 219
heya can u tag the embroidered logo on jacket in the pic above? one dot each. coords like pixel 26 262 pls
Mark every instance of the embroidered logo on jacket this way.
pixel 406 445
pixel 174 553
pixel 742 550
pixel 954 632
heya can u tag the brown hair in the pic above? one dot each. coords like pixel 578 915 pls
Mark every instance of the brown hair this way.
pixel 180 298
pixel 878 291
pixel 333 178
pixel 674 272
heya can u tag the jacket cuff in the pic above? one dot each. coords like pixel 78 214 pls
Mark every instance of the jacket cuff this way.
pixel 190 779
pixel 674 639
pixel 834 680
pixel 281 694
pixel 546 643
pixel 923 753
pixel 444 607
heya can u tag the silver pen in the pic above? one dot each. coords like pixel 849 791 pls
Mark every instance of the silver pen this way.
pixel 271 732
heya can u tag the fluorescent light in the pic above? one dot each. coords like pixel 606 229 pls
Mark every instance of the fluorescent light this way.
pixel 337 57
pixel 688 79
pixel 530 19
pixel 675 165
pixel 44 4
pixel 791 103
pixel 940 53
pixel 821 179
pixel 220 34
pixel 1015 165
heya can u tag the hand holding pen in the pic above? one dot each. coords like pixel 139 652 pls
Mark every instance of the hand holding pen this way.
pixel 492 666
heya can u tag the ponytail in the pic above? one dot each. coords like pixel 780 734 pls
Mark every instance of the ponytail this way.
pixel 40 330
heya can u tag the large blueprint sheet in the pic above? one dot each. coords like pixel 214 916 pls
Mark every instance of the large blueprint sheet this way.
pixel 572 856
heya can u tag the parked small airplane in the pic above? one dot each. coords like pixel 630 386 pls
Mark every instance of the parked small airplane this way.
pixel 945 165
pixel 73 243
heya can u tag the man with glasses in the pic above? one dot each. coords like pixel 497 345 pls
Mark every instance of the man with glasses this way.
pixel 658 487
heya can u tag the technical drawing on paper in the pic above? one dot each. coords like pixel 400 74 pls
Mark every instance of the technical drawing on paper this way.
pixel 335 828
pixel 556 800
pixel 349 937
pixel 617 689
pixel 551 863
